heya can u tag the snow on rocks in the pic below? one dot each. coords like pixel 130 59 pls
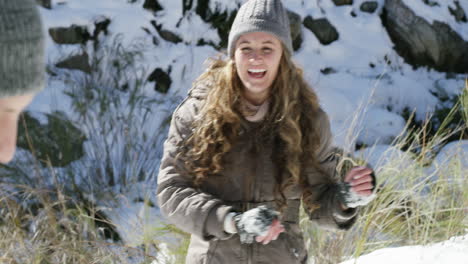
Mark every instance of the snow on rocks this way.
pixel 380 156
pixel 440 11
pixel 454 150
pixel 438 44
pixel 381 126
pixel 451 160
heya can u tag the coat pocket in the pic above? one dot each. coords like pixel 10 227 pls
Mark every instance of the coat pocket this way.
pixel 201 251
pixel 211 251
pixel 295 246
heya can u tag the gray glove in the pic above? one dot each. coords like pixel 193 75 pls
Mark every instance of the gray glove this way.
pixel 352 199
pixel 254 222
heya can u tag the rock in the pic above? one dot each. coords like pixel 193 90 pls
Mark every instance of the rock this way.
pixel 369 6
pixel 76 62
pixel 101 25
pixel 220 20
pixel 328 70
pixel 59 141
pixel 45 3
pixel 295 22
pixel 70 35
pixel 162 79
pixel 166 34
pixel 203 42
pixel 187 4
pixel 169 36
pixel 421 44
pixel 152 5
pixel 325 32
pixel 458 12
pixel 343 2
pixel 430 3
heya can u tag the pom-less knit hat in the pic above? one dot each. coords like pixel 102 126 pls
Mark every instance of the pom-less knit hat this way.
pixel 261 16
pixel 22 65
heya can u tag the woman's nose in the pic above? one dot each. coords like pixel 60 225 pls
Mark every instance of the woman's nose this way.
pixel 255 56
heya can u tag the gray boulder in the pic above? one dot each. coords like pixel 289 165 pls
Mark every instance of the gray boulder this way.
pixel 369 6
pixel 58 141
pixel 162 79
pixel 296 33
pixel 420 43
pixel 101 25
pixel 76 62
pixel 70 35
pixel 325 32
pixel 152 5
pixel 458 13
pixel 430 2
pixel 166 34
pixel 343 2
pixel 45 3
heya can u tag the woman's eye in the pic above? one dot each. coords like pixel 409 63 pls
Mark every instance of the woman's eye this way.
pixel 267 50
pixel 246 50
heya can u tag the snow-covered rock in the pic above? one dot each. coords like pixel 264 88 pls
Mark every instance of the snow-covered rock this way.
pixel 423 43
pixel 380 156
pixel 451 160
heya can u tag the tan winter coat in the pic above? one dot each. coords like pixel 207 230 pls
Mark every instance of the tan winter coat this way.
pixel 247 182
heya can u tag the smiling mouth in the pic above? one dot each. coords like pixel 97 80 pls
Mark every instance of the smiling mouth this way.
pixel 254 73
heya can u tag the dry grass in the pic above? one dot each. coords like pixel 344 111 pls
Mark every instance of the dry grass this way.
pixel 418 202
pixel 38 226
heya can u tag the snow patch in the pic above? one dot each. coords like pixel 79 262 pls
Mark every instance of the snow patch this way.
pixel 454 250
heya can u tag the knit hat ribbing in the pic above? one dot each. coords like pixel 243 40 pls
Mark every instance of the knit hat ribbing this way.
pixel 22 64
pixel 261 16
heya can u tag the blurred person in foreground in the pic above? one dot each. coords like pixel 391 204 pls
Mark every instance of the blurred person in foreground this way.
pixel 250 144
pixel 22 67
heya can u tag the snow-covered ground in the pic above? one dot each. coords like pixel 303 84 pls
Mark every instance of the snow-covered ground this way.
pixel 364 103
pixel 451 251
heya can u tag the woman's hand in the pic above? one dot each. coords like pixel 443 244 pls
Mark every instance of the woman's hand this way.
pixel 360 180
pixel 275 229
pixel 259 224
pixel 358 188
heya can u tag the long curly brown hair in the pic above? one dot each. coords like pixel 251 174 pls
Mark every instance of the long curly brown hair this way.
pixel 293 111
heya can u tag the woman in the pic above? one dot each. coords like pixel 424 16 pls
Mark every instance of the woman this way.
pixel 247 145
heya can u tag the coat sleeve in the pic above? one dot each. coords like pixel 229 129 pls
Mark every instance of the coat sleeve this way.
pixel 183 205
pixel 320 199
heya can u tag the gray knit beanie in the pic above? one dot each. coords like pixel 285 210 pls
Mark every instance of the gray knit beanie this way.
pixel 261 16
pixel 22 65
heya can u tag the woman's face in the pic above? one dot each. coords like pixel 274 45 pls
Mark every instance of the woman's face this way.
pixel 10 109
pixel 257 57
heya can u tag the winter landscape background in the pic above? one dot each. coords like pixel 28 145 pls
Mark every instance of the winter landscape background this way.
pixel 388 73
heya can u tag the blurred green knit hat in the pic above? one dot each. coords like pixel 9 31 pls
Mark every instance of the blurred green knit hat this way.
pixel 22 63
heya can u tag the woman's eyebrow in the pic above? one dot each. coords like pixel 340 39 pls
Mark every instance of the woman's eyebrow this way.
pixel 7 110
pixel 264 42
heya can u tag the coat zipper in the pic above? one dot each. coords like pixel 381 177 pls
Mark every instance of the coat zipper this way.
pixel 255 196
pixel 250 254
pixel 252 196
pixel 249 248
